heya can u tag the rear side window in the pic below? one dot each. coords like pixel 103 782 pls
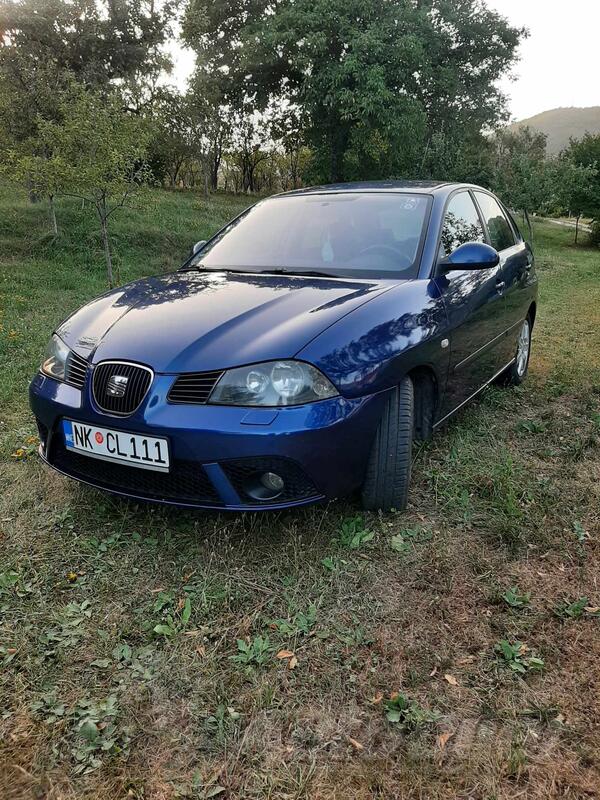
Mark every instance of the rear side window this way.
pixel 461 224
pixel 501 235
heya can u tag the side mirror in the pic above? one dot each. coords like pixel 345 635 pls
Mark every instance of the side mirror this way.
pixel 472 255
pixel 198 246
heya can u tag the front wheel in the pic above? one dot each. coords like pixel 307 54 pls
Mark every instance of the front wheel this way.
pixel 517 371
pixel 388 472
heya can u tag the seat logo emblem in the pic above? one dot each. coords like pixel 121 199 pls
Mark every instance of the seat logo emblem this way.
pixel 116 386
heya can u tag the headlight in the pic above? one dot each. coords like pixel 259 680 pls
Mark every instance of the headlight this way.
pixel 55 360
pixel 274 383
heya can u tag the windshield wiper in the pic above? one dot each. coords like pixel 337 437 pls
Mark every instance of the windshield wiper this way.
pixel 201 268
pixel 310 273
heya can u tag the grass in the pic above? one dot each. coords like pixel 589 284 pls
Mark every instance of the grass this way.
pixel 154 654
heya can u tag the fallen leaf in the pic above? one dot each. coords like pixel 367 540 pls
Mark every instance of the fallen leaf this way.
pixel 592 609
pixel 213 791
pixel 355 744
pixel 201 650
pixel 293 663
pixel 377 699
pixel 451 679
pixel 284 654
pixel 442 739
pixel 394 695
pixel 466 660
pixel 433 672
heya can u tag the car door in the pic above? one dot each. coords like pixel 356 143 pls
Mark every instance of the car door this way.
pixel 516 260
pixel 475 306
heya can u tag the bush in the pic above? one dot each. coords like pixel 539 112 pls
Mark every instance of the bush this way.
pixel 595 234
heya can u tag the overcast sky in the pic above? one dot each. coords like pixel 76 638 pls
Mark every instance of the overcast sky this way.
pixel 560 61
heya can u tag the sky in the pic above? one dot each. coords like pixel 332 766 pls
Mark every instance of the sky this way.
pixel 560 62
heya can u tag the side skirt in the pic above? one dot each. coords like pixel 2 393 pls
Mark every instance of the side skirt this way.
pixel 474 395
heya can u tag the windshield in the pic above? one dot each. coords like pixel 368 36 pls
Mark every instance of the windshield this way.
pixel 345 234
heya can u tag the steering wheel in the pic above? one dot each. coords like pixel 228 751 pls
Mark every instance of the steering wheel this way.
pixel 387 250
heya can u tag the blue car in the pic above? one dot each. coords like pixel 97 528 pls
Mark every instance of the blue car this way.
pixel 297 354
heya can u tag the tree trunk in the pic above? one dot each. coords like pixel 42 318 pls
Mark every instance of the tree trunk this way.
pixel 577 227
pixel 33 196
pixel 106 243
pixel 338 142
pixel 52 213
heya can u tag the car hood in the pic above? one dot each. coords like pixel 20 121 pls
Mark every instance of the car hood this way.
pixel 196 321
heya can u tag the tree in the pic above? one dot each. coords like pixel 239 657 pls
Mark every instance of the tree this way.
pixel 375 79
pixel 520 175
pixel 97 42
pixel 172 140
pixel 96 152
pixel 528 181
pixel 585 195
pixel 46 45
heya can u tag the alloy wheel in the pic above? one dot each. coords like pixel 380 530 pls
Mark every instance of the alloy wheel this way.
pixel 523 346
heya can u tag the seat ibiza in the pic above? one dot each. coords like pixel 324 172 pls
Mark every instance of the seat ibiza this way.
pixel 296 355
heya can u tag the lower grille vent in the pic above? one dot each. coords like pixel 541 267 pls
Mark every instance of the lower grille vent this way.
pixel 185 482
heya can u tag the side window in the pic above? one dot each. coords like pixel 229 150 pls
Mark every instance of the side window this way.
pixel 501 235
pixel 513 221
pixel 461 224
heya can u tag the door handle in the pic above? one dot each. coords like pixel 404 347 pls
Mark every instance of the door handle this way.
pixel 500 286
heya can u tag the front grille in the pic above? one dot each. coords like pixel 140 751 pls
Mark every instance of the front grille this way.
pixel 75 370
pixel 186 481
pixel 138 382
pixel 193 387
pixel 298 486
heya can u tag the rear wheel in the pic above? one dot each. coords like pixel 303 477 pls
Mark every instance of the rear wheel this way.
pixel 388 472
pixel 517 371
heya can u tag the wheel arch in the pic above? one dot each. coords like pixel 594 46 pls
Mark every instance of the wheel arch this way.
pixel 531 313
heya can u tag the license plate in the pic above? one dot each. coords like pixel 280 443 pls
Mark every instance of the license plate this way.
pixel 146 452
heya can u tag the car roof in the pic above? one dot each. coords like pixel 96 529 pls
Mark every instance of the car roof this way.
pixel 416 187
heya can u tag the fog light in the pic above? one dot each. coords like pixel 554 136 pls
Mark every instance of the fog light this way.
pixel 265 486
pixel 272 482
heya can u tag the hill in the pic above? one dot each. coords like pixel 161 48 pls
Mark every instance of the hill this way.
pixel 560 124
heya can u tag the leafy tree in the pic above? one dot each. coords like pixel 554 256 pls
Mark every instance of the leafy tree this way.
pixel 172 143
pixel 95 152
pixel 211 112
pixel 377 80
pixel 520 174
pixel 45 45
pixel 528 181
pixel 97 42
pixel 585 195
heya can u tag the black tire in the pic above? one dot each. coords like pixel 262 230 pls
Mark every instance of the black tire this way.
pixel 387 480
pixel 517 372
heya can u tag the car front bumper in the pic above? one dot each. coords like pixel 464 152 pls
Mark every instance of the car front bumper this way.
pixel 320 449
